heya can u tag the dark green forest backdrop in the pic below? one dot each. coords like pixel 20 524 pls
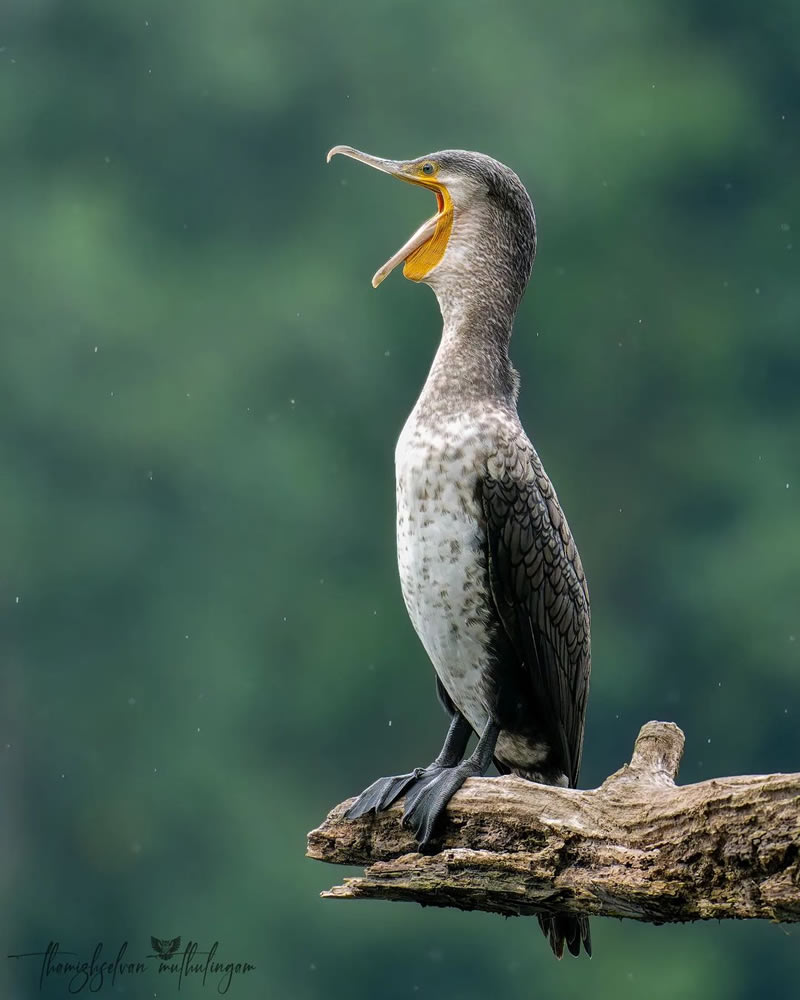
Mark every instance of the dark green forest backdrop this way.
pixel 203 641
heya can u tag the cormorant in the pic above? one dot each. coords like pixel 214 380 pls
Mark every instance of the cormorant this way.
pixel 490 574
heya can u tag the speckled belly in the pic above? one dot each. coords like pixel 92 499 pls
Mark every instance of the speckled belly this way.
pixel 441 560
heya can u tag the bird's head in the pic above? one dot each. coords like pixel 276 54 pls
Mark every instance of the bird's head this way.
pixel 484 226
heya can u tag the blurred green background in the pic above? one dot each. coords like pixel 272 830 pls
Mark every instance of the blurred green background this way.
pixel 204 646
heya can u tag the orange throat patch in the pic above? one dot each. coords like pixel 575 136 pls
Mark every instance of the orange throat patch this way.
pixel 423 260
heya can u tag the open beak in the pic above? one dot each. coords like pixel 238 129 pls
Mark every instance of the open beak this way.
pixel 428 233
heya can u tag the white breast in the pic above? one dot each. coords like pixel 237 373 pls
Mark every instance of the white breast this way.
pixel 440 554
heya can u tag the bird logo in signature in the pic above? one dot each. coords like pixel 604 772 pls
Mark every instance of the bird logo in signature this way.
pixel 165 948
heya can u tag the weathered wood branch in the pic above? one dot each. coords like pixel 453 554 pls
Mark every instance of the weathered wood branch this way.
pixel 638 846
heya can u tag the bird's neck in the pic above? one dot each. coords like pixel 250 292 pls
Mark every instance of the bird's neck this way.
pixel 472 361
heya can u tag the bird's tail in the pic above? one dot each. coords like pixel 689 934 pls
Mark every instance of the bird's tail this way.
pixel 564 928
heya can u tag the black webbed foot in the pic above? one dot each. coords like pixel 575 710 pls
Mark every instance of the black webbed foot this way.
pixel 428 790
pixel 426 800
pixel 383 792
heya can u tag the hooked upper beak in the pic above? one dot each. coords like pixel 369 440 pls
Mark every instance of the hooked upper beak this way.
pixel 404 170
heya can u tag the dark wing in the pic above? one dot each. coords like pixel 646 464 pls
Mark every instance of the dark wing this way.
pixel 539 590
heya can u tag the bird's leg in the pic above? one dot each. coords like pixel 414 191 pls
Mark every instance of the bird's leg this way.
pixel 383 792
pixel 427 800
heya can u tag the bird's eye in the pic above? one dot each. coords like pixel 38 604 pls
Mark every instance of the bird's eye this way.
pixel 427 168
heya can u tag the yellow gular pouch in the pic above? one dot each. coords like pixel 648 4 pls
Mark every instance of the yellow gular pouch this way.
pixel 421 262
pixel 427 246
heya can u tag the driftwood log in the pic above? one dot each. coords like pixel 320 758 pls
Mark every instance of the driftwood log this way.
pixel 638 846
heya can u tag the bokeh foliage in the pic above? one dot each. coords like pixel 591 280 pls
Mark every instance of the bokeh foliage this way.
pixel 203 643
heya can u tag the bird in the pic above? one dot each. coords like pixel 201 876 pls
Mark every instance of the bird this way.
pixel 489 570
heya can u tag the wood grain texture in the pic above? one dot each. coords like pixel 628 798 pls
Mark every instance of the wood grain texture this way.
pixel 638 846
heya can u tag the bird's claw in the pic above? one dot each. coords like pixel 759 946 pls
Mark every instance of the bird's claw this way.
pixel 426 801
pixel 383 792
